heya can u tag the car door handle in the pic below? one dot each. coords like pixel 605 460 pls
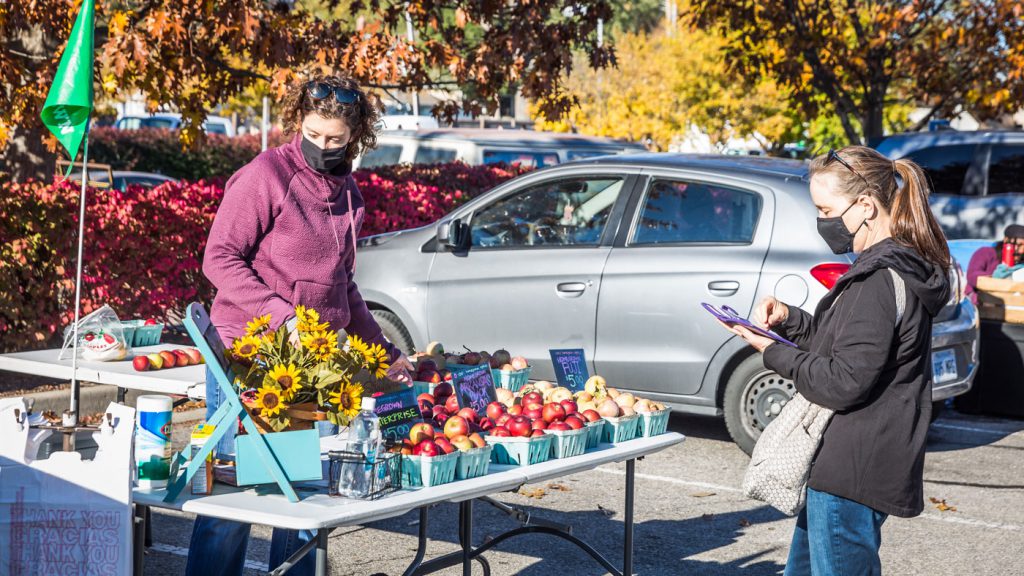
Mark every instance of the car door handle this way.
pixel 723 287
pixel 571 289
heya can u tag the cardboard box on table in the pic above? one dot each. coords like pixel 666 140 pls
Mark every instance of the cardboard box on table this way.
pixel 1001 299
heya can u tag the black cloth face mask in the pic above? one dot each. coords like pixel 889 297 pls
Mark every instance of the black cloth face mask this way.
pixel 323 160
pixel 834 232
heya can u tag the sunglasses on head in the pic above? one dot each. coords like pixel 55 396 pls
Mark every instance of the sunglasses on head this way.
pixel 323 90
pixel 834 156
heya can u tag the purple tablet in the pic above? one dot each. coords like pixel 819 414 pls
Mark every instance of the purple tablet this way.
pixel 730 317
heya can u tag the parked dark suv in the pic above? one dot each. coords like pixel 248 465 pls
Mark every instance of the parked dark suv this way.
pixel 977 177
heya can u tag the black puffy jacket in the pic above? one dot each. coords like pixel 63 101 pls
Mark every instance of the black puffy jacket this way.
pixel 875 374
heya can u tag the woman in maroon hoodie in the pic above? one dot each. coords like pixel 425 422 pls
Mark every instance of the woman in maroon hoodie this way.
pixel 285 235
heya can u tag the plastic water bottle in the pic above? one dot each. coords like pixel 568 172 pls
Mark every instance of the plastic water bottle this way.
pixel 364 433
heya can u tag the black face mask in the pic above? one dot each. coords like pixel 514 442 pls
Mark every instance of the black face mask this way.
pixel 833 231
pixel 323 160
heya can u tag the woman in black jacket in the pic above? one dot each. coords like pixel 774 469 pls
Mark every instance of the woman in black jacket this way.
pixel 858 358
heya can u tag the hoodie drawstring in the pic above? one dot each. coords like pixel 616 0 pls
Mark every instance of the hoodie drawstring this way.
pixel 351 220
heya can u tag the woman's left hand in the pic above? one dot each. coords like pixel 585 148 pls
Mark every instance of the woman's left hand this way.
pixel 755 340
pixel 401 370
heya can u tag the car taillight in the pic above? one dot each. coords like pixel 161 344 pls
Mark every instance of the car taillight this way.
pixel 829 274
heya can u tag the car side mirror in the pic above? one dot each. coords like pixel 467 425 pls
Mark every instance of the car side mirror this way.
pixel 453 235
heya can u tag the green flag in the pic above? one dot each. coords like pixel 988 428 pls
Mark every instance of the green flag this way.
pixel 69 103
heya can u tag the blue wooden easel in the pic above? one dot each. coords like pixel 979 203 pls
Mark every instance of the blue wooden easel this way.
pixel 207 340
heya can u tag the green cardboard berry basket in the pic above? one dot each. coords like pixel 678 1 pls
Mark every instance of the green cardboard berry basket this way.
pixel 512 380
pixel 620 429
pixel 428 471
pixel 521 451
pixel 423 388
pixel 568 443
pixel 473 463
pixel 654 423
pixel 142 335
pixel 594 432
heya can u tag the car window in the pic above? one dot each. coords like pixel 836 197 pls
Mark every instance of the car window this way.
pixel 428 155
pixel 526 158
pixel 382 155
pixel 679 212
pixel 580 154
pixel 216 128
pixel 570 212
pixel 946 166
pixel 1006 170
pixel 164 123
pixel 129 123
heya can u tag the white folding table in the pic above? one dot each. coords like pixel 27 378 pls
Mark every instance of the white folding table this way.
pixel 317 511
pixel 189 381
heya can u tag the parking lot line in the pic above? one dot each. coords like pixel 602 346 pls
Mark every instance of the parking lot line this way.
pixel 183 552
pixel 972 522
pixel 692 483
pixel 995 431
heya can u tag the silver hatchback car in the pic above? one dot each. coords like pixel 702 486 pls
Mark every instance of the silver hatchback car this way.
pixel 614 255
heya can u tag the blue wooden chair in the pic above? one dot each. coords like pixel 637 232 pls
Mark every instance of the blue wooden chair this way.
pixel 207 340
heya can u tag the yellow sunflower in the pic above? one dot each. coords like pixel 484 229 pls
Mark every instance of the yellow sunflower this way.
pixel 288 378
pixel 246 347
pixel 322 343
pixel 356 344
pixel 349 400
pixel 269 401
pixel 258 326
pixel 378 360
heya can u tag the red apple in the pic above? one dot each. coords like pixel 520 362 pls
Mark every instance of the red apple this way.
pixel 516 410
pixel 569 406
pixel 452 404
pixel 140 363
pixel 194 356
pixel 426 401
pixel 495 409
pixel 444 444
pixel 533 413
pixel 456 426
pixel 539 424
pixel 170 360
pixel 447 376
pixel 421 431
pixel 442 390
pixel 537 434
pixel 591 415
pixel 437 410
pixel 150 322
pixel 486 424
pixel 407 447
pixel 553 412
pixel 181 359
pixel 429 448
pixel 472 358
pixel 503 419
pixel 533 398
pixel 469 414
pixel 500 431
pixel 574 422
pixel 426 365
pixel 433 377
pixel 520 363
pixel 494 363
pixel 558 426
pixel 519 426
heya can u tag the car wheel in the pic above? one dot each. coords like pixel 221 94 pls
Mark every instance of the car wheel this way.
pixel 394 330
pixel 754 396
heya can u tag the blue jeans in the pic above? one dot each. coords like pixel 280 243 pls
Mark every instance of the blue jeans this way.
pixel 218 546
pixel 835 537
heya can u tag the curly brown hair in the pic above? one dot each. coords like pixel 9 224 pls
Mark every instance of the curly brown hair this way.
pixel 362 116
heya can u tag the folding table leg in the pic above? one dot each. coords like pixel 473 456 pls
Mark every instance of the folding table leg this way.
pixel 139 529
pixel 627 550
pixel 321 552
pixel 466 534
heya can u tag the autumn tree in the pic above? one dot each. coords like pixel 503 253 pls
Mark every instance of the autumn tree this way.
pixel 855 58
pixel 667 84
pixel 194 54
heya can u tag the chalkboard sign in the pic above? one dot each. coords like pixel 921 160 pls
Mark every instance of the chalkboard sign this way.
pixel 397 412
pixel 474 388
pixel 570 368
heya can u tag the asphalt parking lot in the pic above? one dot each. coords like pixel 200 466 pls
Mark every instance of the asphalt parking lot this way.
pixel 692 519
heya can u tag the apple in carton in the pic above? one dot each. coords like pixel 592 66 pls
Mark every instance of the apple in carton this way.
pixel 429 448
pixel 486 424
pixel 477 440
pixel 516 410
pixel 456 426
pixel 539 424
pixel 502 356
pixel 553 412
pixel 520 426
pixel 503 419
pixel 558 426
pixel 519 363
pixel 420 431
pixel 471 358
pixel 469 414
pixel 442 391
pixel 452 404
pixel 500 431
pixel 495 409
pixel 537 434
pixel 533 412
pixel 533 398
pixel 463 443
pixel 444 444
pixel 591 415
pixel 426 401
pixel 569 406
pixel 574 421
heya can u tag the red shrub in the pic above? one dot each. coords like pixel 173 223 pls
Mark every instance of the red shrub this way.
pixel 143 248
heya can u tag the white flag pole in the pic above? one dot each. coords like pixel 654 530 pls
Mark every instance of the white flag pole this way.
pixel 71 419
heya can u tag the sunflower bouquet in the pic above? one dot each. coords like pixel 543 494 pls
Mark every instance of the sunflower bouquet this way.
pixel 280 379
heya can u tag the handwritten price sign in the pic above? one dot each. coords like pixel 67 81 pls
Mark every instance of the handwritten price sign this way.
pixel 570 368
pixel 474 388
pixel 397 413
